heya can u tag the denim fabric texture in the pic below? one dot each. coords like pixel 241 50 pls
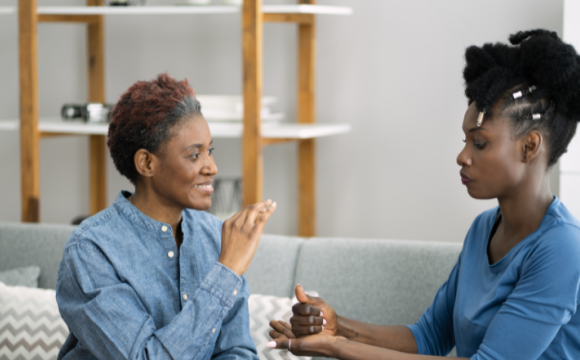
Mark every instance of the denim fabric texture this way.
pixel 127 292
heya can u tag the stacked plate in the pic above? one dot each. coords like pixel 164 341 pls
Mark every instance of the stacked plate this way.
pixel 231 108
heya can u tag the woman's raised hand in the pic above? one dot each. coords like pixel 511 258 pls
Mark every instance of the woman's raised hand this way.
pixel 312 315
pixel 241 235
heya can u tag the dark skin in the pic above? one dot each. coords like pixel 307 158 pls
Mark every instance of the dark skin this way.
pixel 179 176
pixel 494 164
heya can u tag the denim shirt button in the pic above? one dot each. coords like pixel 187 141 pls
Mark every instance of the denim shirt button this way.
pixel 235 292
pixel 171 254
pixel 185 297
pixel 213 331
pixel 164 228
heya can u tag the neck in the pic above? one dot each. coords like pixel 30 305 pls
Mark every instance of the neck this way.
pixel 157 207
pixel 523 211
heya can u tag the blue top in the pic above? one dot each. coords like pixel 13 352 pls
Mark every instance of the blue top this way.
pixel 522 307
pixel 126 292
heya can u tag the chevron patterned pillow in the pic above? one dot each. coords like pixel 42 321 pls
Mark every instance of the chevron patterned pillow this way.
pixel 263 309
pixel 30 324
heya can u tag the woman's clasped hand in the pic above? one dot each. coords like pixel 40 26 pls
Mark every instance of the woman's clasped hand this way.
pixel 313 327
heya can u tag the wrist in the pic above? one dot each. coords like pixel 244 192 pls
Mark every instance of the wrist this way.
pixel 332 350
pixel 232 268
pixel 342 328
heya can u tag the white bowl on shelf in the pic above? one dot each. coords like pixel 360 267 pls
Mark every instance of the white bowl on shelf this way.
pixel 197 2
pixel 231 108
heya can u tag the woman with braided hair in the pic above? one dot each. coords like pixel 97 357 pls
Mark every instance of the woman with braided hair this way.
pixel 515 289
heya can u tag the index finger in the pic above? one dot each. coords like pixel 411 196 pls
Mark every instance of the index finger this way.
pixel 305 310
pixel 256 209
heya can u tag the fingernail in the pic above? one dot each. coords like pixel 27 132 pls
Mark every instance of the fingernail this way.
pixel 271 345
pixel 323 321
pixel 321 314
pixel 322 327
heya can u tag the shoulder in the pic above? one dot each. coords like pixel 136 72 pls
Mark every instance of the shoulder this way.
pixel 95 231
pixel 558 244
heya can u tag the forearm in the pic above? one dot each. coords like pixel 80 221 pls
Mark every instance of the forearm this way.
pixel 398 338
pixel 346 349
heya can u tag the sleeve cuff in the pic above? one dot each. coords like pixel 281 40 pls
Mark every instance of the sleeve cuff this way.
pixel 418 338
pixel 222 283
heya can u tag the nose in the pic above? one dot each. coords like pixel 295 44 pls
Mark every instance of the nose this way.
pixel 463 159
pixel 209 167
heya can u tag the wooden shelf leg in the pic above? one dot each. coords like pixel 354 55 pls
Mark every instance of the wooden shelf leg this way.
pixel 307 114
pixel 252 161
pixel 96 82
pixel 29 136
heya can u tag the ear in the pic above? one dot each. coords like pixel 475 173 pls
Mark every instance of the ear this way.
pixel 532 143
pixel 145 162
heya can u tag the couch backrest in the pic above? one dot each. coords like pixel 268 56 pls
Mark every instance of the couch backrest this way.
pixel 273 267
pixel 34 244
pixel 378 281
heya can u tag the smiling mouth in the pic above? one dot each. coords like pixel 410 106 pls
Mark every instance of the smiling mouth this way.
pixel 205 188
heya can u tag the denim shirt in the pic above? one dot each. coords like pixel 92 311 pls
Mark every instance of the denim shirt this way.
pixel 127 292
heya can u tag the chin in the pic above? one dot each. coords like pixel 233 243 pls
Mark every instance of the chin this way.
pixel 479 195
pixel 200 205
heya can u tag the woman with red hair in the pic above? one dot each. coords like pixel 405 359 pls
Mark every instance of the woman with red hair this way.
pixel 154 276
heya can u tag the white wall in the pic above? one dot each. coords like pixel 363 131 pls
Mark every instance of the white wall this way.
pixel 392 70
pixel 570 161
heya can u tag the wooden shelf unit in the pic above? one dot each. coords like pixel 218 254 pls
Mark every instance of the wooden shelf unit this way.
pixel 255 135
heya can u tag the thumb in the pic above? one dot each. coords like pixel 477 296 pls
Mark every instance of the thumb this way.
pixel 301 295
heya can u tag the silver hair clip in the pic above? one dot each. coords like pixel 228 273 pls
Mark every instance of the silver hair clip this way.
pixel 536 116
pixel 519 94
pixel 480 118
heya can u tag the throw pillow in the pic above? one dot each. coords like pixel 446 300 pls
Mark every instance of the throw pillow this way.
pixel 23 276
pixel 30 324
pixel 263 309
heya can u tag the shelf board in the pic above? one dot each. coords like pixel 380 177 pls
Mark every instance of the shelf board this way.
pixel 218 129
pixel 306 9
pixel 136 10
pixel 7 10
pixel 183 10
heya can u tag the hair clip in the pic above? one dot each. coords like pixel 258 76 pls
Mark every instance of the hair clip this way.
pixel 519 94
pixel 536 116
pixel 480 118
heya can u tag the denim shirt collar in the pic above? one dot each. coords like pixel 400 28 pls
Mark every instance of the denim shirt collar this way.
pixel 135 215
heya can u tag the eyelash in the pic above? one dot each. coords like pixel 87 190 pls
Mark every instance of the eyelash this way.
pixel 196 155
pixel 478 146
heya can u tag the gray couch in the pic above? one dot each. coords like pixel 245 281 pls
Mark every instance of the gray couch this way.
pixel 377 281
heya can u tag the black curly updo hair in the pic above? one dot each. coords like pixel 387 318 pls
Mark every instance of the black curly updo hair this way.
pixel 538 79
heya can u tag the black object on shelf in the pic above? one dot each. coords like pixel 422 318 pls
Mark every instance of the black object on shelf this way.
pixel 91 112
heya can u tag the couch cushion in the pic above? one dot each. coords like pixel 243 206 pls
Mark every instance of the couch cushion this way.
pixel 22 276
pixel 272 269
pixel 34 244
pixel 378 281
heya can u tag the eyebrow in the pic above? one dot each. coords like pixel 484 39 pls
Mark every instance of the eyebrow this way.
pixel 197 145
pixel 474 129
